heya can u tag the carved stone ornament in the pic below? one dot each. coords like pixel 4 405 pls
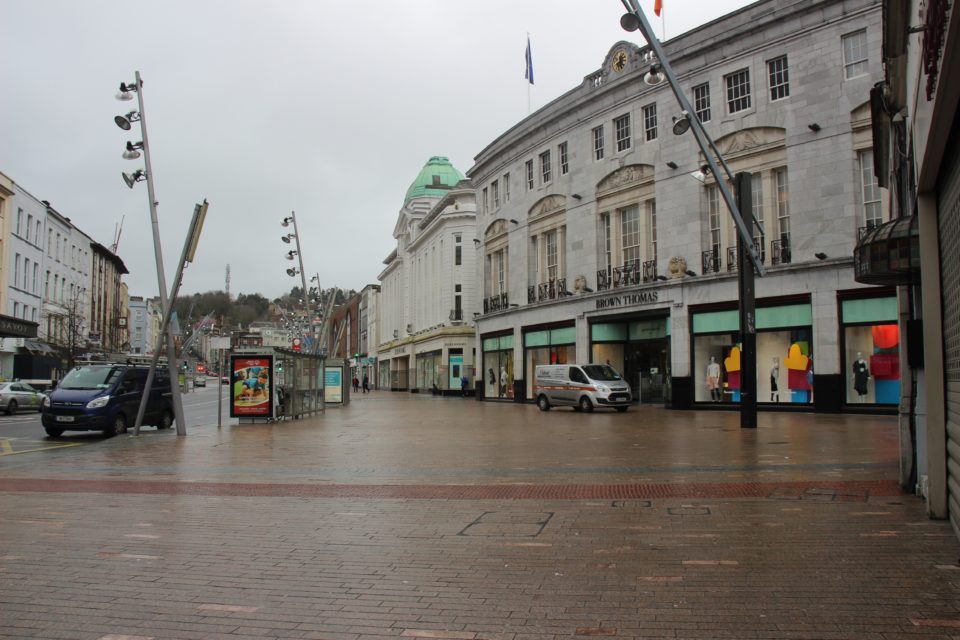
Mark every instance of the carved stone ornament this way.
pixel 496 228
pixel 547 205
pixel 677 267
pixel 749 139
pixel 622 177
pixel 580 284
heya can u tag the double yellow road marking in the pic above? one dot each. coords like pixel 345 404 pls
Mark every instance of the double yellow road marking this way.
pixel 11 446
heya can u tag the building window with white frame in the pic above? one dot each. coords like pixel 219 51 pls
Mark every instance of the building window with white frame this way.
pixel 495 193
pixel 529 167
pixel 605 231
pixel 651 206
pixel 783 205
pixel 701 101
pixel 630 234
pixel 19 230
pixel 738 91
pixel 545 170
pixel 779 76
pixel 716 233
pixel 506 187
pixel 855 54
pixel 564 159
pixel 550 239
pixel 483 200
pixel 29 227
pixel 598 143
pixel 35 284
pixel 872 206
pixel 756 189
pixel 49 243
pixel 500 266
pixel 621 130
pixel 650 122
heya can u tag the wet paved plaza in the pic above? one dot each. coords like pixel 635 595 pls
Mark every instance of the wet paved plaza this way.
pixel 405 516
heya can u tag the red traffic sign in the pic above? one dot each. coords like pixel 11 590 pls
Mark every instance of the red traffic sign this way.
pixel 296 344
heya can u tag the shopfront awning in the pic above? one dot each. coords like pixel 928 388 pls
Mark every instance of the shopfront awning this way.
pixel 38 348
pixel 889 254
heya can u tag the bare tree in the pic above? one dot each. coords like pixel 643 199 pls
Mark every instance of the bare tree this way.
pixel 67 325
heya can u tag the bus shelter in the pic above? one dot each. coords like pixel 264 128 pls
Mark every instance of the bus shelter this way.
pixel 269 384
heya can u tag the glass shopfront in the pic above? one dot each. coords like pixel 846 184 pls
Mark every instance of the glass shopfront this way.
pixel 548 346
pixel 429 375
pixel 640 350
pixel 784 355
pixel 871 351
pixel 498 367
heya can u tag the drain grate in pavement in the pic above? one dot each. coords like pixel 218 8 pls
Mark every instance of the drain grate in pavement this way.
pixel 630 504
pixel 689 511
pixel 507 524
pixel 834 490
pixel 820 494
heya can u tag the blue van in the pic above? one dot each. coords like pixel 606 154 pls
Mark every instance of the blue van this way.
pixel 106 397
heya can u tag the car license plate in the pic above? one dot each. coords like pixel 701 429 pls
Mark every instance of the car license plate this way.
pixel 64 418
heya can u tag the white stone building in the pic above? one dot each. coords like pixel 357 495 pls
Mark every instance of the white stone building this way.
pixel 428 296
pixel 602 240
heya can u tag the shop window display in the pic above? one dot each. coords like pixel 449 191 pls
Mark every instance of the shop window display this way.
pixel 873 363
pixel 784 367
pixel 611 354
pixel 498 374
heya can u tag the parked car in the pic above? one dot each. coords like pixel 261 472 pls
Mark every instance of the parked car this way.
pixel 200 381
pixel 224 379
pixel 106 397
pixel 20 395
pixel 582 387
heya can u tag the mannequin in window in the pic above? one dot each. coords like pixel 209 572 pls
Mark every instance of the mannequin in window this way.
pixel 504 381
pixel 774 377
pixel 713 379
pixel 861 373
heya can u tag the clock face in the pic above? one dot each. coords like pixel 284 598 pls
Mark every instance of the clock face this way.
pixel 619 60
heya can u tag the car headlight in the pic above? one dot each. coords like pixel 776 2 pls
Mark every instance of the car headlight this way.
pixel 603 388
pixel 97 403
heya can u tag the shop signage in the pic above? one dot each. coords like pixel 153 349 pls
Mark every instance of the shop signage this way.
pixel 628 299
pixel 399 350
pixel 16 328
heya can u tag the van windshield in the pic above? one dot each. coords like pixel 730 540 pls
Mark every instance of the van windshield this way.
pixel 601 372
pixel 90 378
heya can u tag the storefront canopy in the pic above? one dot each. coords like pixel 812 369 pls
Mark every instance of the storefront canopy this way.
pixel 889 253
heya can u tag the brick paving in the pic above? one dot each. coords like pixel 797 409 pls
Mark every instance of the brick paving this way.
pixel 418 517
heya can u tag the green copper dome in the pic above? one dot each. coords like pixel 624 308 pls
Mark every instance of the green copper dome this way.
pixel 436 178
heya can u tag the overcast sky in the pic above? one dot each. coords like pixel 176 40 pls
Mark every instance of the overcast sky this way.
pixel 329 108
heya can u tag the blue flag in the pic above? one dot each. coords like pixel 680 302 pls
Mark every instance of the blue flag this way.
pixel 529 72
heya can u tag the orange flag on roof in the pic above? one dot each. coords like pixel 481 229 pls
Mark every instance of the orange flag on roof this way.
pixel 657 6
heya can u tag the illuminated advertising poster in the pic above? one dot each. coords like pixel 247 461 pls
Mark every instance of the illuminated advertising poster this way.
pixel 333 384
pixel 250 386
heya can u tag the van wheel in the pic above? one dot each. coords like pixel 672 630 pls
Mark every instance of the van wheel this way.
pixel 53 433
pixel 621 409
pixel 543 404
pixel 119 426
pixel 585 405
pixel 166 421
pixel 12 408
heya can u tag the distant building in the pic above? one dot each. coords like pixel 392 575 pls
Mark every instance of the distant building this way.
pixel 428 293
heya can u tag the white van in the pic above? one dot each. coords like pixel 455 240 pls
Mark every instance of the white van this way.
pixel 581 386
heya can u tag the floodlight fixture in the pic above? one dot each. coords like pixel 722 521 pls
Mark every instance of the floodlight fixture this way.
pixel 654 76
pixel 135 177
pixel 124 122
pixel 681 123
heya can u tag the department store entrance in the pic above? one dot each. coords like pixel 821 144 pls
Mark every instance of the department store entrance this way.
pixel 647 368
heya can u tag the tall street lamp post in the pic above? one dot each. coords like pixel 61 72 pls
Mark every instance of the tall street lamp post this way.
pixel 132 152
pixel 747 252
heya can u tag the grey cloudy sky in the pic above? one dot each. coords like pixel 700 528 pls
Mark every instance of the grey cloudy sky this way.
pixel 328 108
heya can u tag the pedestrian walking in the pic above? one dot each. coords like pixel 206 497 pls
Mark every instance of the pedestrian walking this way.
pixel 366 383
pixel 356 384
pixel 464 382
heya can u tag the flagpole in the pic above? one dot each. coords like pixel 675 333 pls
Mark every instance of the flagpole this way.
pixel 530 72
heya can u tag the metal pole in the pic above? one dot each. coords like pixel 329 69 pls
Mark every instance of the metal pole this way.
pixel 165 328
pixel 699 133
pixel 220 389
pixel 748 328
pixel 161 278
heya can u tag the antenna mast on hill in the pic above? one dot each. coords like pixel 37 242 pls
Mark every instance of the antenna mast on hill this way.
pixel 116 235
pixel 228 281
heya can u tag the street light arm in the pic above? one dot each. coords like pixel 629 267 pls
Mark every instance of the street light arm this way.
pixel 699 133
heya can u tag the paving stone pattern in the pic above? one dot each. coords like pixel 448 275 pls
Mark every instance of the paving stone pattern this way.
pixel 819 546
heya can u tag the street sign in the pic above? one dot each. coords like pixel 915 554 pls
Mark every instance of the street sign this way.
pixel 296 344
